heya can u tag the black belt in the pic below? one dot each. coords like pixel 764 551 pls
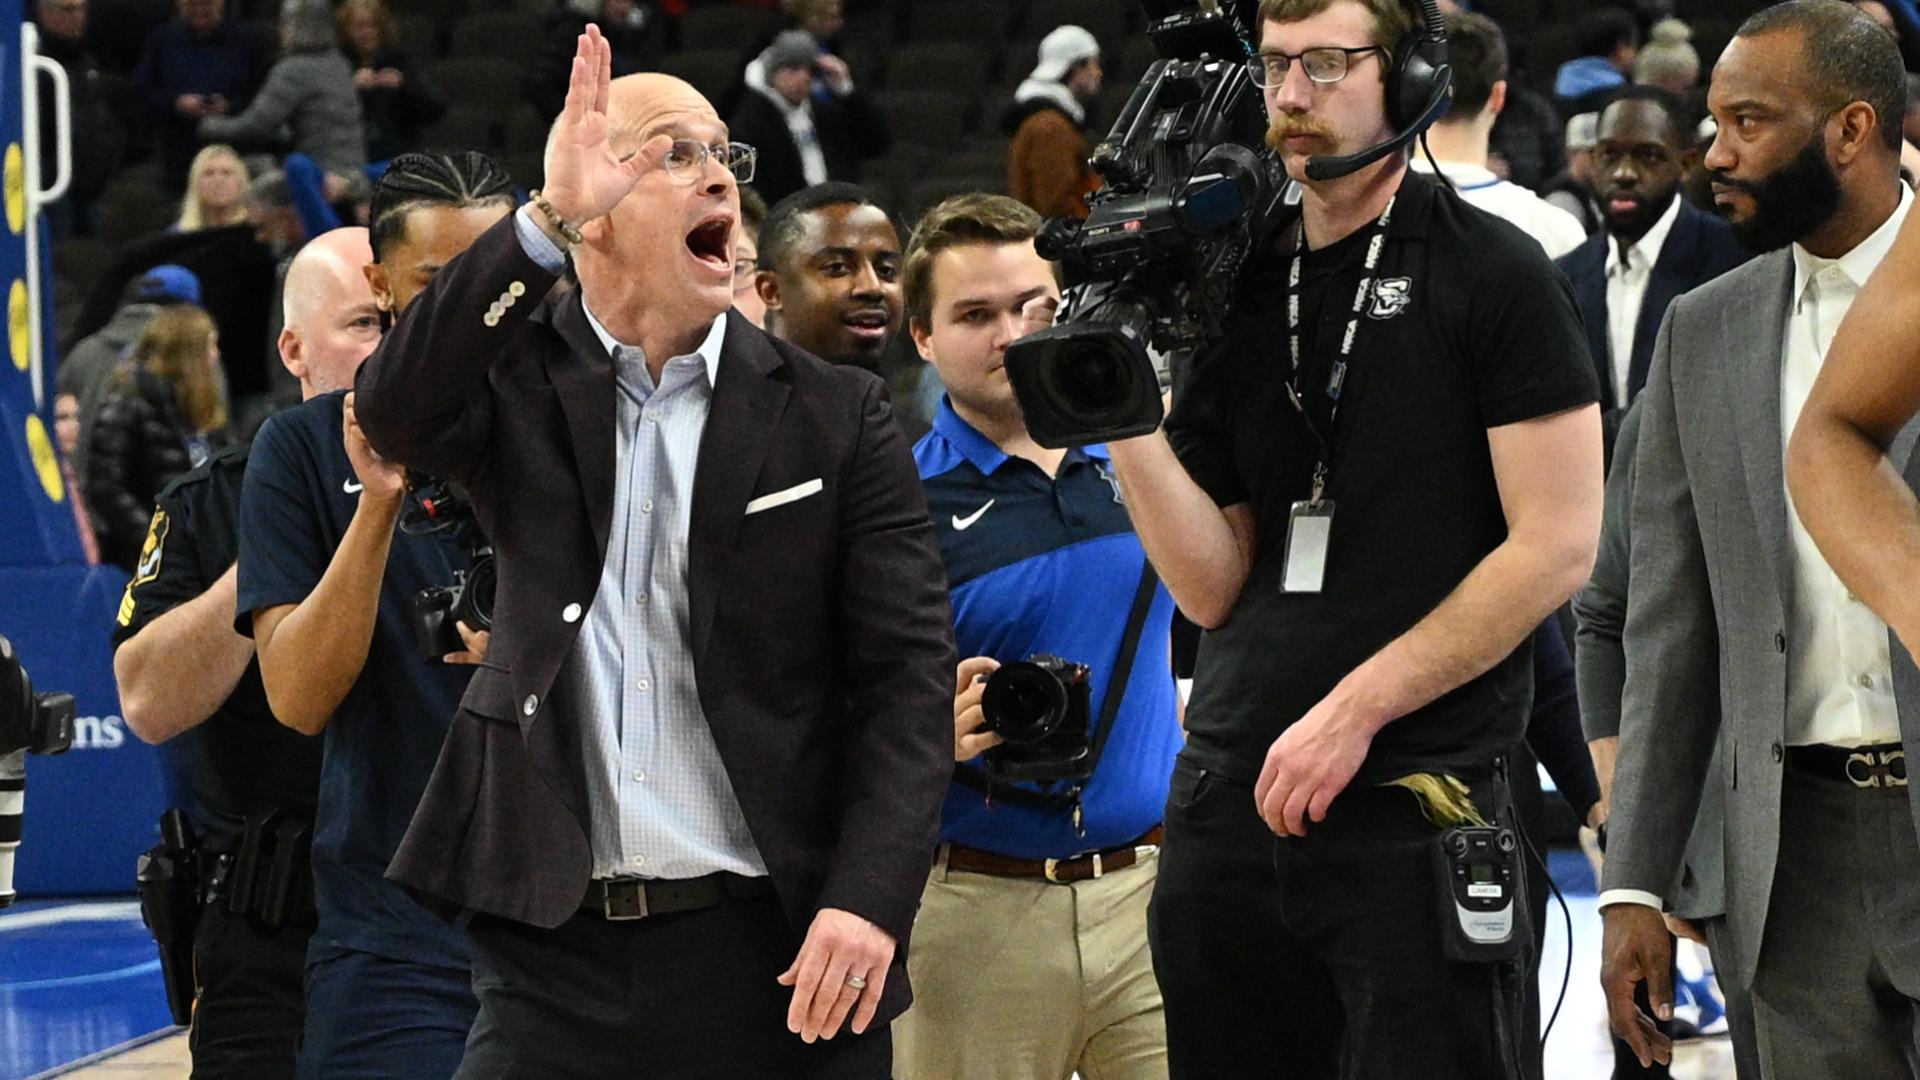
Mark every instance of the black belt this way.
pixel 1884 765
pixel 623 899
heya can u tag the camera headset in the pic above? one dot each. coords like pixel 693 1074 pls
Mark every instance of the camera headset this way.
pixel 1419 90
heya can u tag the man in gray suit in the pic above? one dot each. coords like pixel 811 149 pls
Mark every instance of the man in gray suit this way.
pixel 1738 635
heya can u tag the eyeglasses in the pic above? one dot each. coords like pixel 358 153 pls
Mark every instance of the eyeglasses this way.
pixel 1327 64
pixel 744 270
pixel 687 159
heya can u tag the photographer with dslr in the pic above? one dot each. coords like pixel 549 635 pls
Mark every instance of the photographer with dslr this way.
pixel 330 578
pixel 1418 365
pixel 1031 953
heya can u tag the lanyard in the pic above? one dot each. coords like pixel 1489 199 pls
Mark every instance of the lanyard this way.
pixel 1339 374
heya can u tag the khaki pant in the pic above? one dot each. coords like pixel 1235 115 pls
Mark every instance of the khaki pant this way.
pixel 1022 979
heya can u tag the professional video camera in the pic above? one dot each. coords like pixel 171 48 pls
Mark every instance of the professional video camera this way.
pixel 441 509
pixel 1190 193
pixel 30 723
pixel 1039 707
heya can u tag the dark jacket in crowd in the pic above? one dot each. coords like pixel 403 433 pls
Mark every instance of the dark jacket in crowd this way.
pixel 1529 137
pixel 139 443
pixel 850 130
pixel 635 48
pixel 310 102
pixel 395 119
pixel 1700 248
pixel 87 371
pixel 98 139
pixel 232 62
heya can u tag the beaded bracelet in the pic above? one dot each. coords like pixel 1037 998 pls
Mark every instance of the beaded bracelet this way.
pixel 566 231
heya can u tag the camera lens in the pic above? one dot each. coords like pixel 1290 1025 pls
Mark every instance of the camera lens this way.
pixel 1023 703
pixel 1089 379
pixel 478 596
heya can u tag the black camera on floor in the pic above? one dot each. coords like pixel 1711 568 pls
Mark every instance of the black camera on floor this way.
pixel 440 509
pixel 1039 706
pixel 30 723
pixel 1190 194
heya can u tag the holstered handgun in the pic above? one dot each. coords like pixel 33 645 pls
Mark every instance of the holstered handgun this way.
pixel 169 884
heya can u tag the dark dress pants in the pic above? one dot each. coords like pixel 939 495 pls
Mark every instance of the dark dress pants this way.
pixel 1316 958
pixel 674 997
pixel 248 1007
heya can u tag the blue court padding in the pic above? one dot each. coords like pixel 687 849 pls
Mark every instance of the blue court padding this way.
pixel 75 979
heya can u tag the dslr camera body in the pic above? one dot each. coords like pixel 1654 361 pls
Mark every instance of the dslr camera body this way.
pixel 30 723
pixel 1190 194
pixel 1039 706
pixel 440 509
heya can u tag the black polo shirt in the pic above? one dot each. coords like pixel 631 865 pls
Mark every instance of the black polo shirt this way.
pixel 1469 327
pixel 241 761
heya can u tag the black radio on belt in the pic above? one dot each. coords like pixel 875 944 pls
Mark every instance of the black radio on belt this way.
pixel 1481 889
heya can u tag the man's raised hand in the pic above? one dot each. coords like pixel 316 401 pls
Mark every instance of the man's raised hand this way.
pixel 585 177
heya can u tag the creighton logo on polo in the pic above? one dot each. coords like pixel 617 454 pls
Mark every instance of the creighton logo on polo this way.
pixel 1390 297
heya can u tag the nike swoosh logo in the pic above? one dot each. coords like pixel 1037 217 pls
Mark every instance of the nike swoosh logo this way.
pixel 962 524
pixel 352 487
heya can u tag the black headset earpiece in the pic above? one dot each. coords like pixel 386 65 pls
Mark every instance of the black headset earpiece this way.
pixel 1420 74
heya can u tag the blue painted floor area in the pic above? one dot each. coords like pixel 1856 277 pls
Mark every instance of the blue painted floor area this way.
pixel 75 979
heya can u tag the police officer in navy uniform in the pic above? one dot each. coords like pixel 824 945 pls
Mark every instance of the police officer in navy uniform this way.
pixel 191 684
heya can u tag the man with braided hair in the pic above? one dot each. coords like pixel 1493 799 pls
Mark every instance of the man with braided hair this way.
pixel 328 578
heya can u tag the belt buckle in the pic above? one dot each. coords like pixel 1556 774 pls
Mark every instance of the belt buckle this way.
pixel 1053 866
pixel 1888 768
pixel 617 909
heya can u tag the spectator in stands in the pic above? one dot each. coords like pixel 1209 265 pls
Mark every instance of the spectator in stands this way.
pixel 1654 245
pixel 822 20
pixel 98 140
pixel 1669 61
pixel 830 278
pixel 84 373
pixel 634 29
pixel 197 66
pixel 310 91
pixel 396 101
pixel 1609 40
pixel 803 141
pixel 66 435
pixel 216 190
pixel 1047 161
pixel 746 258
pixel 1527 138
pixel 1459 142
pixel 163 415
pixel 1572 189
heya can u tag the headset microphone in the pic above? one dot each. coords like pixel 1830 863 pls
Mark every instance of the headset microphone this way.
pixel 1419 90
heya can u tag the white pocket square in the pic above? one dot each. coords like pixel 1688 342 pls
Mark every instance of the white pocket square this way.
pixel 782 498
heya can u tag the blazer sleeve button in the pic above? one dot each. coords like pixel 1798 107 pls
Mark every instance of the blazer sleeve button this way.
pixel 532 704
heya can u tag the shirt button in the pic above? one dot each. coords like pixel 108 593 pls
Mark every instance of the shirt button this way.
pixel 647 507
pixel 641 599
pixel 639 860
pixel 531 705
pixel 640 778
pixel 645 686
pixel 1866 682
pixel 571 613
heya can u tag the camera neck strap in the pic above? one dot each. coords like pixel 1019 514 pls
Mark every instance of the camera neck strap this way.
pixel 1103 727
pixel 1338 376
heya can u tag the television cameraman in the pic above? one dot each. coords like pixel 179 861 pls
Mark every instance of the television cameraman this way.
pixel 188 681
pixel 1359 687
pixel 331 579
pixel 1031 958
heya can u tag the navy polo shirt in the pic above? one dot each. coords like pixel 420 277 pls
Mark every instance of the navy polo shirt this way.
pixel 1040 564
pixel 381 743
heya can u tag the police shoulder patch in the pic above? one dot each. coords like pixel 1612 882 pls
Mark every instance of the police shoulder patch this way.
pixel 149 567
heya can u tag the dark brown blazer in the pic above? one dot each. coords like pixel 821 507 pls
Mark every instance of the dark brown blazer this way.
pixel 821 631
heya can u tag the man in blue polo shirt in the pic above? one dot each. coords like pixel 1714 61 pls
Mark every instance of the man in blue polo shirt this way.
pixel 1030 956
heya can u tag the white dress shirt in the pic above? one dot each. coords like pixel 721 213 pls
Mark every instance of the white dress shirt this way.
pixel 1557 231
pixel 1839 671
pixel 1839 674
pixel 1628 272
pixel 659 801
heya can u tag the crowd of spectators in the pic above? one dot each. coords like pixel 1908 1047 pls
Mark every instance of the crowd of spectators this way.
pixel 216 136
